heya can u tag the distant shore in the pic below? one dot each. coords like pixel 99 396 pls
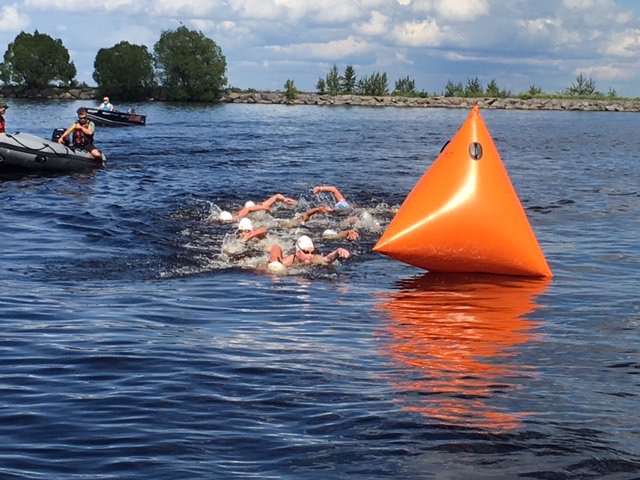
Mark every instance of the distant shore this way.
pixel 277 98
pixel 609 105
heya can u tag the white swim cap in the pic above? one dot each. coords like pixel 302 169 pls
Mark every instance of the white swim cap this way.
pixel 225 216
pixel 330 234
pixel 249 204
pixel 304 243
pixel 275 266
pixel 245 224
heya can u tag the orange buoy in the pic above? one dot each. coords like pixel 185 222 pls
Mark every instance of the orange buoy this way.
pixel 464 215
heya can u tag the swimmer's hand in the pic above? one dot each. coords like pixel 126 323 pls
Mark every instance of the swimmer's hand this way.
pixel 351 235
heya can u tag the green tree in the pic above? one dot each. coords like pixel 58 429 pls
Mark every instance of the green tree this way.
pixel 333 81
pixel 581 86
pixel 492 89
pixel 189 65
pixel 473 88
pixel 453 89
pixel 348 81
pixel 290 91
pixel 35 61
pixel 534 90
pixel 124 71
pixel 321 86
pixel 374 84
pixel 405 87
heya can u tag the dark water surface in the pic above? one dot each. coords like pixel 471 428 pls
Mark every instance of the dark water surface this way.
pixel 134 346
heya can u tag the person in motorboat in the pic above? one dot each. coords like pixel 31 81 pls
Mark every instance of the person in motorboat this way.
pixel 82 132
pixel 106 105
pixel 305 254
pixel 3 109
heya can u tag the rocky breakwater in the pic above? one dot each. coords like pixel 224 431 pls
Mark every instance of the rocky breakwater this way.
pixel 609 105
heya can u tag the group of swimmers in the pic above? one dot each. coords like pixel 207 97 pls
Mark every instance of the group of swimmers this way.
pixel 305 252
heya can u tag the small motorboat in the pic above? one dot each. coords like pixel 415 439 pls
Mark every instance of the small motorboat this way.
pixel 116 119
pixel 23 152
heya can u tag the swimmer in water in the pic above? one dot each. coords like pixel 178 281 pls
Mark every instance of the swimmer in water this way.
pixel 246 232
pixel 340 201
pixel 250 207
pixel 305 254
pixel 349 234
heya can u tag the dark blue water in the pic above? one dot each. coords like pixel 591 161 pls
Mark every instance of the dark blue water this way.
pixel 137 343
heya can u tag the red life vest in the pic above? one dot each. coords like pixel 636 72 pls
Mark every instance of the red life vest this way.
pixel 2 124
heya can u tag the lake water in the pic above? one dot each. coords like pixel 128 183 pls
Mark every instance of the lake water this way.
pixel 137 341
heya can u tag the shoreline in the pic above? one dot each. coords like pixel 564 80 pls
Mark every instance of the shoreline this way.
pixel 585 105
pixel 386 101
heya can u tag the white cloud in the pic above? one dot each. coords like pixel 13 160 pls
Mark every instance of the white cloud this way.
pixel 255 9
pixel 537 27
pixel 624 44
pixel 11 20
pixel 610 72
pixel 376 25
pixel 586 4
pixel 95 6
pixel 185 9
pixel 402 58
pixel 426 33
pixel 336 49
pixel 461 10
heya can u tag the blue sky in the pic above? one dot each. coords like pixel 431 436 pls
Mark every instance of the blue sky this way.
pixel 518 43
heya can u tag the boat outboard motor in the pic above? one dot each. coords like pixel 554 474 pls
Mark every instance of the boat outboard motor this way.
pixel 57 133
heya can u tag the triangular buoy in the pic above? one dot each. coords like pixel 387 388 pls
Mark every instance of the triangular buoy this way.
pixel 464 215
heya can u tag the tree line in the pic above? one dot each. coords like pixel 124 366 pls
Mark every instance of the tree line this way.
pixel 184 65
pixel 347 83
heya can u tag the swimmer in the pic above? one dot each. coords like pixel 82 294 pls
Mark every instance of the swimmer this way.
pixel 278 197
pixel 313 211
pixel 351 235
pixel 303 255
pixel 250 207
pixel 246 232
pixel 341 202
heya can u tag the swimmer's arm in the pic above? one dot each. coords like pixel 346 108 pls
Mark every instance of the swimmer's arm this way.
pixel 278 197
pixel 309 213
pixel 330 189
pixel 337 253
pixel 244 211
pixel 257 233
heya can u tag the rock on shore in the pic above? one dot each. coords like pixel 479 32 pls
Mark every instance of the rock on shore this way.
pixel 609 105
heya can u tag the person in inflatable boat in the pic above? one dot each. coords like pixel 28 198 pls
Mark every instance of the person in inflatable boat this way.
pixel 3 109
pixel 82 132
